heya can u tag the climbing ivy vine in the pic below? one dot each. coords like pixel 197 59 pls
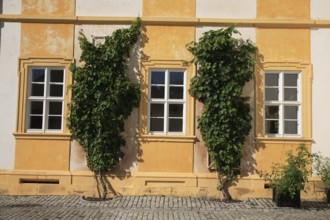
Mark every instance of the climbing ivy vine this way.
pixel 225 64
pixel 103 97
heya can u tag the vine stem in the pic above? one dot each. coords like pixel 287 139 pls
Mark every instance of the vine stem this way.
pixel 104 186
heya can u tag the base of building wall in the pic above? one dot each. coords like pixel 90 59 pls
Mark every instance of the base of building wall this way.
pixel 22 182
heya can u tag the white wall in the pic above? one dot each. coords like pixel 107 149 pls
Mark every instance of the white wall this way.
pixel 11 6
pixel 9 53
pixel 320 9
pixel 226 8
pixel 320 58
pixel 109 7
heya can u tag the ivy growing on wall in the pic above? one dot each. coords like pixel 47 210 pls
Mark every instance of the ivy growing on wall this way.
pixel 225 64
pixel 103 97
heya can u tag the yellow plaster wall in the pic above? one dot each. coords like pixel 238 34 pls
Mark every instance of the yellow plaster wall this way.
pixel 167 42
pixel 47 40
pixel 169 8
pixel 274 152
pixel 166 157
pixel 283 9
pixel 284 45
pixel 33 154
pixel 282 48
pixel 48 7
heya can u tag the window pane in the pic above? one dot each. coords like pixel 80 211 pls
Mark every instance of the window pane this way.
pixel 176 78
pixel 272 112
pixel 271 79
pixel 157 92
pixel 290 79
pixel 271 94
pixel 290 112
pixel 54 122
pixel 176 92
pixel 38 75
pixel 290 127
pixel 290 94
pixel 175 125
pixel 36 108
pixel 176 110
pixel 55 108
pixel 157 77
pixel 157 110
pixel 37 90
pixel 156 124
pixel 56 90
pixel 271 127
pixel 36 122
pixel 56 75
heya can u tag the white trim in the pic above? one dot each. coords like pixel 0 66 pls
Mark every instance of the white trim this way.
pixel 167 101
pixel 281 103
pixel 45 99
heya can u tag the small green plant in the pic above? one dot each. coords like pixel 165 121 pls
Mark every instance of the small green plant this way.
pixel 321 165
pixel 290 177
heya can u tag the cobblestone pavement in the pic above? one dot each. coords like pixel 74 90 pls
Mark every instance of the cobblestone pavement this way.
pixel 152 207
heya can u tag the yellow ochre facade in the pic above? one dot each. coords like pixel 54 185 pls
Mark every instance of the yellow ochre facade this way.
pixel 39 41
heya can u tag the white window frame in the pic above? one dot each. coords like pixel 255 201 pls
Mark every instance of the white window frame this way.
pixel 167 101
pixel 281 103
pixel 45 99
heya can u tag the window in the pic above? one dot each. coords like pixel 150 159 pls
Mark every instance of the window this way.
pixel 45 99
pixel 282 104
pixel 166 101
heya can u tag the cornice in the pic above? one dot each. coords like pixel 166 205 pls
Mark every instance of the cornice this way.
pixel 184 21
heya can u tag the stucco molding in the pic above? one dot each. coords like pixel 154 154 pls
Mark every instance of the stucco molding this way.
pixel 42 136
pixel 306 70
pixel 23 64
pixel 184 21
pixel 167 138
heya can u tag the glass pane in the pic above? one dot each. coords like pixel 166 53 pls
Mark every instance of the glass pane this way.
pixel 156 124
pixel 271 94
pixel 56 76
pixel 176 110
pixel 271 79
pixel 176 92
pixel 36 108
pixel 55 108
pixel 36 122
pixel 271 127
pixel 290 112
pixel 157 77
pixel 175 125
pixel 37 90
pixel 290 79
pixel 157 110
pixel 38 75
pixel 54 122
pixel 56 90
pixel 272 112
pixel 290 127
pixel 176 78
pixel 290 94
pixel 157 92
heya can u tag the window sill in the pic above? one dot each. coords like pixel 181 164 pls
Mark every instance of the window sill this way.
pixel 292 140
pixel 167 138
pixel 43 136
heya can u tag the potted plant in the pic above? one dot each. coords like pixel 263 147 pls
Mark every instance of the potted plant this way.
pixel 289 178
pixel 321 165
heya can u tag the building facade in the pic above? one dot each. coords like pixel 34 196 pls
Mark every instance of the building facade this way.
pixel 164 152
